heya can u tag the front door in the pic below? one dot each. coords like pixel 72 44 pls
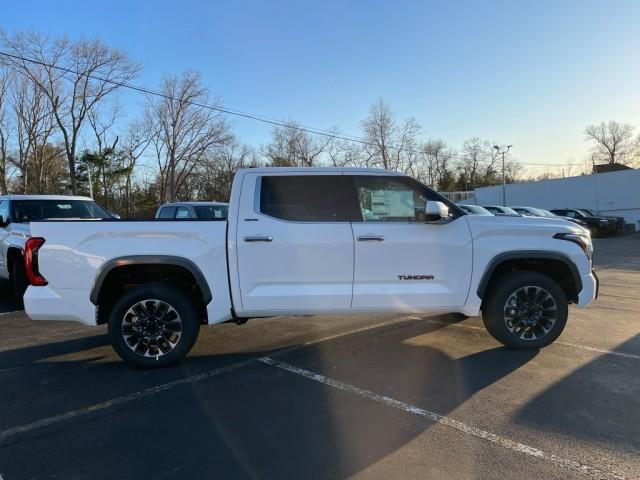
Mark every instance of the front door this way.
pixel 294 243
pixel 401 262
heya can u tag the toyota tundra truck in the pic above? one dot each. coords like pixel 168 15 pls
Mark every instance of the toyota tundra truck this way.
pixel 306 241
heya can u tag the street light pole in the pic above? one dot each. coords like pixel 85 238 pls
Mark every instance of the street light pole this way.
pixel 504 187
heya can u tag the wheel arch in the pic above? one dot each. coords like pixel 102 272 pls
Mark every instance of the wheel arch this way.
pixel 534 260
pixel 159 260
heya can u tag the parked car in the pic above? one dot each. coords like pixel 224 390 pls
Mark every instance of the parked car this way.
pixel 297 242
pixel 573 220
pixel 539 212
pixel 16 213
pixel 619 221
pixel 596 224
pixel 500 210
pixel 475 210
pixel 194 210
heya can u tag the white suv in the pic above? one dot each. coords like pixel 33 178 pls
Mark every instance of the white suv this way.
pixel 16 213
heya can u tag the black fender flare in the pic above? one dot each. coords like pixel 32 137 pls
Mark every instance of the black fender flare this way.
pixel 527 255
pixel 185 263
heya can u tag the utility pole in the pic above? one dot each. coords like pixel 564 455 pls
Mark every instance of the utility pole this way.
pixel 504 187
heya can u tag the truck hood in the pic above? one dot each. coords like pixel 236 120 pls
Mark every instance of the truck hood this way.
pixel 523 225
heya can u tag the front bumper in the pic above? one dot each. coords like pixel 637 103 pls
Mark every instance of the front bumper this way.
pixel 590 287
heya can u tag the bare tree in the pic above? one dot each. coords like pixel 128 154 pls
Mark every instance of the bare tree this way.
pixel 389 145
pixel 4 128
pixel 292 147
pixel 34 128
pixel 75 76
pixel 184 130
pixel 612 141
pixel 437 163
pixel 474 153
pixel 133 146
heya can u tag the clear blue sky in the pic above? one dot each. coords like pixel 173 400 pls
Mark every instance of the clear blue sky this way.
pixel 531 73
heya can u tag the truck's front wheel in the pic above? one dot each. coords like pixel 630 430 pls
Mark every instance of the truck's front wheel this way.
pixel 525 310
pixel 153 325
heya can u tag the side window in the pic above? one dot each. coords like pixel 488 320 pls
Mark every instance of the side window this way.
pixel 167 212
pixel 4 212
pixel 307 198
pixel 183 212
pixel 571 213
pixel 390 199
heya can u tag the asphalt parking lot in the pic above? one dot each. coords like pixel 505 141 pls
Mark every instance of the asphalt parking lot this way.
pixel 315 397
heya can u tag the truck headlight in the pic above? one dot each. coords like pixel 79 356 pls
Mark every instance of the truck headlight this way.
pixel 583 240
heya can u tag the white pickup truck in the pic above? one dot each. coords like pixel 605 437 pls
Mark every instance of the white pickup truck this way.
pixel 302 242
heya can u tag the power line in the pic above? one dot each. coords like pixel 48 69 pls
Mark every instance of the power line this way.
pixel 238 113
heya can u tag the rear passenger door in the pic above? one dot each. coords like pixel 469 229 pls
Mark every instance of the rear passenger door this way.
pixel 294 243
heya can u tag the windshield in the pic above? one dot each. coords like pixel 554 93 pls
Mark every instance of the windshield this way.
pixel 212 211
pixel 587 213
pixel 476 210
pixel 547 213
pixel 30 210
pixel 531 211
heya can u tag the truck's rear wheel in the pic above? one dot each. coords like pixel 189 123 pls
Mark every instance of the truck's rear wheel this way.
pixel 153 325
pixel 19 281
pixel 525 310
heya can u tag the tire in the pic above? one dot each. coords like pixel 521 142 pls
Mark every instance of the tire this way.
pixel 525 310
pixel 164 338
pixel 19 282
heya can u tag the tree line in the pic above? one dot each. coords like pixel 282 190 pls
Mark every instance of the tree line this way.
pixel 61 131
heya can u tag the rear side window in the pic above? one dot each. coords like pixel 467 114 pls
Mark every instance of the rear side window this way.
pixel 312 198
pixel 211 211
pixel 167 212
pixel 183 212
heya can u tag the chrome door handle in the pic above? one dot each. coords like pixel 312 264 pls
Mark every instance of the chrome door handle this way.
pixel 258 238
pixel 370 238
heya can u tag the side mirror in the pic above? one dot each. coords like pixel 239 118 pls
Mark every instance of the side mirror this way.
pixel 3 221
pixel 115 215
pixel 436 211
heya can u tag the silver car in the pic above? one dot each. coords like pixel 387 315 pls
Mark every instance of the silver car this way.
pixel 194 210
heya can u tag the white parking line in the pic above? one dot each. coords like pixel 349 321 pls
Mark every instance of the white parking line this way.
pixel 45 422
pixel 566 344
pixel 448 422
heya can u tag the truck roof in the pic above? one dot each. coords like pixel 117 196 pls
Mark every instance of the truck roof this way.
pixel 45 197
pixel 376 171
pixel 205 203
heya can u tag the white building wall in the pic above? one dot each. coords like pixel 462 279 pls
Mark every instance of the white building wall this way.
pixel 613 193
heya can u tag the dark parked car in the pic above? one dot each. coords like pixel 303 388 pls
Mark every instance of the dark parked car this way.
pixel 620 222
pixel 596 224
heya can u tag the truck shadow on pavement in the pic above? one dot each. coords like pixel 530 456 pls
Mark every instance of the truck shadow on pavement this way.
pixel 258 421
pixel 604 404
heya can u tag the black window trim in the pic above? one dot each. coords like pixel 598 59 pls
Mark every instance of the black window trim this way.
pixel 455 210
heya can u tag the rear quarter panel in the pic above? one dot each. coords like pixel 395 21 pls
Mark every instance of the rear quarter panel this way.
pixel 74 252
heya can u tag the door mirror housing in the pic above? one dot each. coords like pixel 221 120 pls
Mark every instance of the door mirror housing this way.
pixel 436 212
pixel 3 221
pixel 115 216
